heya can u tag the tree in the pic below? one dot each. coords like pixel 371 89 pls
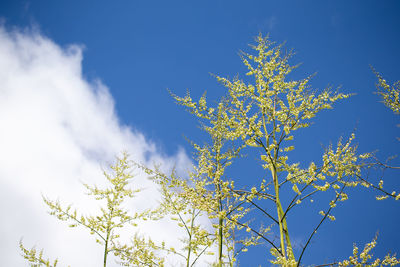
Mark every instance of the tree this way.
pixel 106 225
pixel 179 208
pixel 261 115
pixel 264 115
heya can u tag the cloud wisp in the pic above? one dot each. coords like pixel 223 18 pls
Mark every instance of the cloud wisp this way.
pixel 57 131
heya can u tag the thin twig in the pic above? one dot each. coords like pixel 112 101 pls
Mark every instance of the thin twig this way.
pixel 322 220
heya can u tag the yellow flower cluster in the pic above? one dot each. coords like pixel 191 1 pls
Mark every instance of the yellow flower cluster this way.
pixel 364 258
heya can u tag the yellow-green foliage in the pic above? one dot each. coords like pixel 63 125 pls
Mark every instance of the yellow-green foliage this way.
pixel 35 258
pixel 112 216
pixel 178 206
pixel 364 259
pixel 263 114
pixel 209 190
pixel 390 94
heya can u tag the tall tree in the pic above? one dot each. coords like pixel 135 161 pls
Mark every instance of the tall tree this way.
pixel 263 115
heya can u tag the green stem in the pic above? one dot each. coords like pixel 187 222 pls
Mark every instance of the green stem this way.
pixel 220 232
pixel 190 239
pixel 106 248
pixel 279 209
pixel 221 219
pixel 220 242
pixel 109 228
pixel 283 228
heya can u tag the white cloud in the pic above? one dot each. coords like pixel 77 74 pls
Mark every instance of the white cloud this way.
pixel 57 130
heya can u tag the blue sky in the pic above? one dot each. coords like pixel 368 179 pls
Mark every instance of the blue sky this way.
pixel 138 49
